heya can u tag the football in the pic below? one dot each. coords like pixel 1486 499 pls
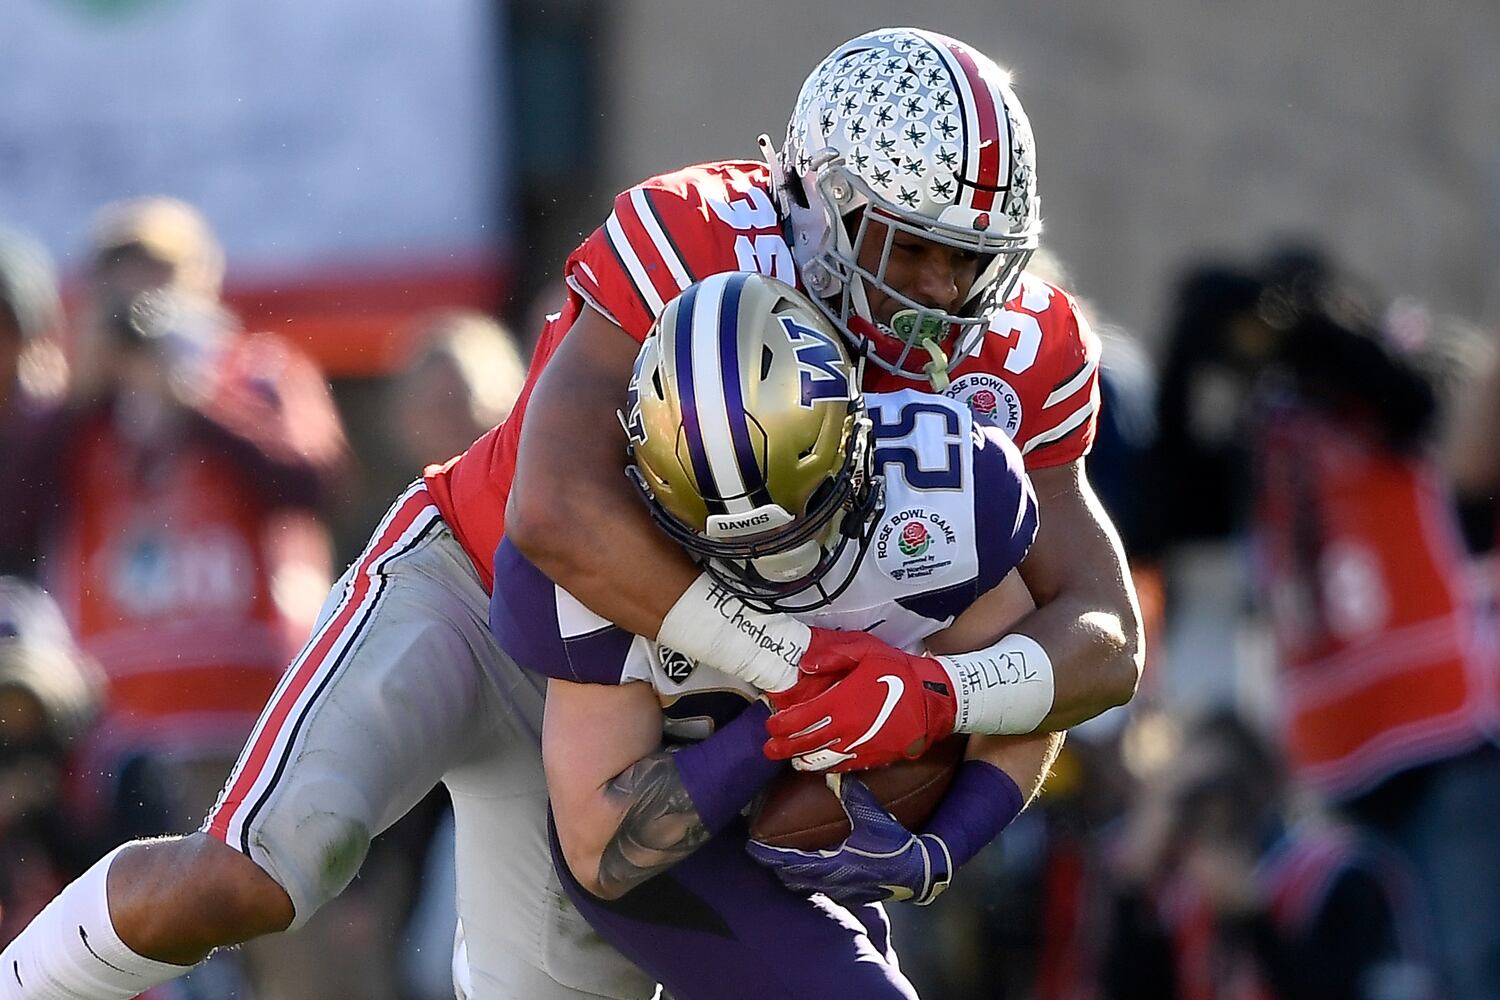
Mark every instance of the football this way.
pixel 800 811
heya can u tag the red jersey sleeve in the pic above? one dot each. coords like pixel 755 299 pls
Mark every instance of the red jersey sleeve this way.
pixel 1037 375
pixel 274 395
pixel 276 409
pixel 670 231
pixel 662 235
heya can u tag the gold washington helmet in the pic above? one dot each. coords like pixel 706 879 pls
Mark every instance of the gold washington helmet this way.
pixel 749 440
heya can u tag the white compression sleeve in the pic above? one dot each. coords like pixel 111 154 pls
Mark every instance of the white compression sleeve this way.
pixel 710 624
pixel 71 951
pixel 1002 690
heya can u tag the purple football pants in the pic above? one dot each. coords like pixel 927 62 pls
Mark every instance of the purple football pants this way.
pixel 718 926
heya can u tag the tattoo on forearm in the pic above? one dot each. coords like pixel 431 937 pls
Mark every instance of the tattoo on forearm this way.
pixel 660 826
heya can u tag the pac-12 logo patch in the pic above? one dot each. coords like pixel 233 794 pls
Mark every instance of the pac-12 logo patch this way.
pixel 989 396
pixel 677 666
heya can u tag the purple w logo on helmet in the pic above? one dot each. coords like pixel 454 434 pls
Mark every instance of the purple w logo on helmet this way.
pixel 819 362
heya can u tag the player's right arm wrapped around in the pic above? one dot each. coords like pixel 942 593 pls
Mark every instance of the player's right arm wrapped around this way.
pixel 894 705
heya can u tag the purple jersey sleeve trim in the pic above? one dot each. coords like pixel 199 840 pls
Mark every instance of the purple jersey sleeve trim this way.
pixel 599 657
pixel 980 803
pixel 523 619
pixel 1005 508
pixel 941 605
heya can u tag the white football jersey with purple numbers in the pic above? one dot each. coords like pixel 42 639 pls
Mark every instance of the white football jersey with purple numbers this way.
pixel 959 514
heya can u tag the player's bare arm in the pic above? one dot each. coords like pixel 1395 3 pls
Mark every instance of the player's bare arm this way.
pixel 660 826
pixel 571 510
pixel 1026 759
pixel 1087 616
pixel 622 813
pixel 627 808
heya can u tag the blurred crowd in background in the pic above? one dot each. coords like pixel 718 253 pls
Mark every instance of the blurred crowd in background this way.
pixel 175 487
pixel 1299 803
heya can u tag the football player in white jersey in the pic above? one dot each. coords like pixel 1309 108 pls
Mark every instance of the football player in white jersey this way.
pixel 901 515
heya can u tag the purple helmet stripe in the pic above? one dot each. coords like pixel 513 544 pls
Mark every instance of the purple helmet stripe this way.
pixel 730 369
pixel 692 429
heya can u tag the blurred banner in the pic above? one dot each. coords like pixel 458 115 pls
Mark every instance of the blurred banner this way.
pixel 350 153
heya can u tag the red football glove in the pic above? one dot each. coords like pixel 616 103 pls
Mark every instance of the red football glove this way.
pixel 820 669
pixel 889 705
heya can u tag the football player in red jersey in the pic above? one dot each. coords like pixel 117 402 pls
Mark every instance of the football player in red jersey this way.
pixel 904 200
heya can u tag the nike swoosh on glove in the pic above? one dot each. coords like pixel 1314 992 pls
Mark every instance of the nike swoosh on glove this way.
pixel 888 705
pixel 880 860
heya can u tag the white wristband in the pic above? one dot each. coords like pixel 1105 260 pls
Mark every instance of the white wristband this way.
pixel 1002 690
pixel 711 625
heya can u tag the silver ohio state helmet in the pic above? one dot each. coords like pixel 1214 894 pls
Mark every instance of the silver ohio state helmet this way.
pixel 921 133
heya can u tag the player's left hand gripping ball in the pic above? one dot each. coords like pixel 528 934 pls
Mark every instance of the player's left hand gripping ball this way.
pixel 880 860
pixel 889 705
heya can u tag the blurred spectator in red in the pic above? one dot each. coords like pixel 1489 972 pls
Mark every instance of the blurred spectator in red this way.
pixel 1387 700
pixel 49 693
pixel 172 508
pixel 1222 894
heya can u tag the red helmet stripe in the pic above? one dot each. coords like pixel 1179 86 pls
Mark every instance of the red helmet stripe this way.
pixel 992 141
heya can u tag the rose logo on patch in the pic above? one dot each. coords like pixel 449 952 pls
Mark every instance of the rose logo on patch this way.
pixel 990 398
pixel 914 539
pixel 985 404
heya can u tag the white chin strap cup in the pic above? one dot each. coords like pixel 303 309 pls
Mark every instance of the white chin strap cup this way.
pixel 791 566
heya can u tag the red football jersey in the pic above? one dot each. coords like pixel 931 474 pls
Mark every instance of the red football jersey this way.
pixel 1365 578
pixel 1036 373
pixel 192 566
